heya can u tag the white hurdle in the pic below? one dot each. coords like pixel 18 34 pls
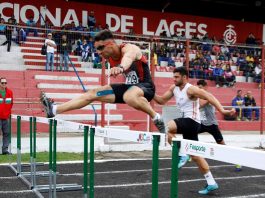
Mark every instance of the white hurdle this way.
pixel 229 154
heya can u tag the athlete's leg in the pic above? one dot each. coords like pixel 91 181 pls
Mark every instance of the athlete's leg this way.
pixel 172 130
pixel 87 98
pixel 134 97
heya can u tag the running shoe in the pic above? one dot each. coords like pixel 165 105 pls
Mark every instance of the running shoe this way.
pixel 183 160
pixel 238 168
pixel 160 125
pixel 208 188
pixel 47 104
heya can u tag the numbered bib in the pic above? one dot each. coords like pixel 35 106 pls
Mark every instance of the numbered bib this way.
pixel 131 78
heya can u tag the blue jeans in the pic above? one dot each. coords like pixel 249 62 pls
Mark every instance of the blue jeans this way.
pixel 64 59
pixel 248 113
pixel 49 61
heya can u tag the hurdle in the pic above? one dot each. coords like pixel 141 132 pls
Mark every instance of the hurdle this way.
pixel 52 158
pixel 154 139
pixel 214 152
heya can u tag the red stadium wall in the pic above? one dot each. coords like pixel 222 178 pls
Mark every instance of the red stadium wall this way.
pixel 143 22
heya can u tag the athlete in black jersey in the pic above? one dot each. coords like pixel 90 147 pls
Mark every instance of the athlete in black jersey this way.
pixel 136 91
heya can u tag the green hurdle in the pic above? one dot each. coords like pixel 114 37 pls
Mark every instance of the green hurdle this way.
pixel 174 169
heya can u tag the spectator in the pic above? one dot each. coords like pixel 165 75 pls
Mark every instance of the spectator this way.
pixel 64 49
pixel 8 33
pixel 6 103
pixel 85 50
pixel 229 76
pixel 257 73
pixel 21 37
pixel 251 39
pixel 250 102
pixel 238 102
pixel 2 26
pixel 32 26
pixel 91 21
pixel 241 62
pixel 218 75
pixel 50 52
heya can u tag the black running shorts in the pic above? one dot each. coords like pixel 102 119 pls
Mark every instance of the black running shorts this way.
pixel 120 89
pixel 214 131
pixel 188 128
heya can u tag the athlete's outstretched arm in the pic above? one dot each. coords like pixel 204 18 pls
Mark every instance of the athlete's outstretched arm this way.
pixel 165 97
pixel 200 93
pixel 130 53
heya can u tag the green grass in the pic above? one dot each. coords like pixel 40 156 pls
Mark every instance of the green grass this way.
pixel 42 157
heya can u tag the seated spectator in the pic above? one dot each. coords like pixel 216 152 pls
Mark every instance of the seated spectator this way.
pixel 251 39
pixel 229 77
pixel 238 102
pixel 257 73
pixel 216 50
pixel 218 75
pixel 250 102
pixel 85 51
pixel 241 62
pixel 21 36
pixel 31 24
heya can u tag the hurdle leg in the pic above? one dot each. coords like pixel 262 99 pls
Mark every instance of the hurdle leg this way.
pixel 54 168
pixel 50 158
pixel 91 163
pixel 31 153
pixel 85 164
pixel 174 169
pixel 18 145
pixel 155 164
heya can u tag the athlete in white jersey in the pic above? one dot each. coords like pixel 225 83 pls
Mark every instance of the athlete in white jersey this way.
pixel 188 123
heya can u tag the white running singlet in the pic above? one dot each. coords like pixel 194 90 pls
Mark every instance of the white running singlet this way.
pixel 188 108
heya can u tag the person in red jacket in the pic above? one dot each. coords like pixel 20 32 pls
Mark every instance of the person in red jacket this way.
pixel 6 103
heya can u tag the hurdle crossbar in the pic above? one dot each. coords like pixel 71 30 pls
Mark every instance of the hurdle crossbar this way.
pixel 212 151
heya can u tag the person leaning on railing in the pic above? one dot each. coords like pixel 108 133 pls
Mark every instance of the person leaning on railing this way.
pixel 250 102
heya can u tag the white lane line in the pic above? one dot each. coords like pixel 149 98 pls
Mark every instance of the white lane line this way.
pixel 181 181
pixel 142 170
pixel 18 191
pixel 248 196
pixel 12 177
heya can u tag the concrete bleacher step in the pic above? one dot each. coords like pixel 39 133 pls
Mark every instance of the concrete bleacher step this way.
pixel 66 78
pixel 65 86
pixel 41 57
pixel 40 67
pixel 43 63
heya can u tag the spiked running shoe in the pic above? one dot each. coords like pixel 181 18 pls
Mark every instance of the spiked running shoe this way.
pixel 183 160
pixel 47 104
pixel 160 125
pixel 208 188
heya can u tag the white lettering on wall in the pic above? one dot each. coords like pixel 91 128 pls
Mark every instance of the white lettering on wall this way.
pixel 126 23
pixel 190 29
pixel 145 28
pixel 162 27
pixel 26 8
pixel 5 6
pixel 70 14
pixel 178 30
pixel 202 29
pixel 56 21
pixel 84 18
pixel 113 18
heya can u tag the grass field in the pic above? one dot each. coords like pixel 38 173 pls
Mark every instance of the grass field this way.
pixel 42 157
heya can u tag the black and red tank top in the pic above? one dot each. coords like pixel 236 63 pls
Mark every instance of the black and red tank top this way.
pixel 138 72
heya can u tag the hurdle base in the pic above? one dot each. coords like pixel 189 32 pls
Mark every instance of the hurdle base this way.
pixel 59 187
pixel 38 174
